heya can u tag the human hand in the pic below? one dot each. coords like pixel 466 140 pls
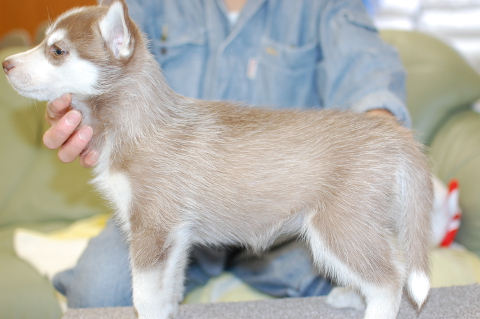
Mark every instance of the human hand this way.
pixel 63 133
pixel 380 112
pixel 387 114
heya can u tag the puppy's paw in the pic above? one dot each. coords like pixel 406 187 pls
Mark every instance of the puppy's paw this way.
pixel 341 297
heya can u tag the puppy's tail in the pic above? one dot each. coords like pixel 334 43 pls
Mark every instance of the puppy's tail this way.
pixel 413 224
pixel 418 286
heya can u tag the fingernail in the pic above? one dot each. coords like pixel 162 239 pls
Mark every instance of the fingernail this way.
pixel 49 113
pixel 86 133
pixel 90 159
pixel 93 158
pixel 64 98
pixel 73 118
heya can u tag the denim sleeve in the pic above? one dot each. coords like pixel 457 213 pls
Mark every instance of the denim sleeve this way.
pixel 358 71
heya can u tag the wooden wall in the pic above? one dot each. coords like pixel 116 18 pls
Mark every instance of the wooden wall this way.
pixel 28 14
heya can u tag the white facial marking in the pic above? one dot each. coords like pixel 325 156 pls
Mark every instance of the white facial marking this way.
pixel 56 36
pixel 34 76
pixel 62 17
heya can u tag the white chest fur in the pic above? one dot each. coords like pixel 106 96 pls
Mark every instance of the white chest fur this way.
pixel 115 186
pixel 117 189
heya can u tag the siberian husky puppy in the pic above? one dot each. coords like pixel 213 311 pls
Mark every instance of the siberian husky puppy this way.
pixel 357 189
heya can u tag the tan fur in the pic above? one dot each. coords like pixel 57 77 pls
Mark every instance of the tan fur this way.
pixel 356 188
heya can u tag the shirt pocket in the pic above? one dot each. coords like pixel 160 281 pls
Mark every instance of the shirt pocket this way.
pixel 283 75
pixel 182 60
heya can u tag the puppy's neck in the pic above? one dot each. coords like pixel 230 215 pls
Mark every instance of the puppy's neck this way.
pixel 133 104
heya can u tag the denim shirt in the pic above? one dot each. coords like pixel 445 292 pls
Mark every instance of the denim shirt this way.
pixel 280 53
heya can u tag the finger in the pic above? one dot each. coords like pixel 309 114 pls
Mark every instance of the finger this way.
pixel 59 133
pixel 89 159
pixel 56 109
pixel 74 146
pixel 380 112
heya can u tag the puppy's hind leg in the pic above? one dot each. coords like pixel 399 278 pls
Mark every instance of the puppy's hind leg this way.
pixel 361 266
pixel 382 302
pixel 343 297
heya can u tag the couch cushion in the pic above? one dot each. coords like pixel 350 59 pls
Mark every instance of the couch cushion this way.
pixel 455 151
pixel 439 80
pixel 24 293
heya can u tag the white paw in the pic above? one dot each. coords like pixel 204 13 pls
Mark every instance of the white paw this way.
pixel 341 297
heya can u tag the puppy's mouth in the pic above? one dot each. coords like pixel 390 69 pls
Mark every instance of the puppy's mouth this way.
pixel 22 84
pixel 19 80
pixel 37 93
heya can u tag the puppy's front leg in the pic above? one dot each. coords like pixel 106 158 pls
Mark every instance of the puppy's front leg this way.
pixel 158 263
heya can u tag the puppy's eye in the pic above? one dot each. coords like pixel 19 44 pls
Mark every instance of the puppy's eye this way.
pixel 58 51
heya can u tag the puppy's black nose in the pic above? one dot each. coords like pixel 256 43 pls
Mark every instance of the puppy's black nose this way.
pixel 7 66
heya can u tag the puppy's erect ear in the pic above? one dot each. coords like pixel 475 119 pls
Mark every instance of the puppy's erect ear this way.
pixel 115 29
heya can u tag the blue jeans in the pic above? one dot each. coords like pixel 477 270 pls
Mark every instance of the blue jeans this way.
pixel 102 276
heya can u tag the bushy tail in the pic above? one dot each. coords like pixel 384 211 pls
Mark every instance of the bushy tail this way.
pixel 418 286
pixel 414 225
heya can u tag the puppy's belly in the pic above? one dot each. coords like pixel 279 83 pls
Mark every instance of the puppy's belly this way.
pixel 257 233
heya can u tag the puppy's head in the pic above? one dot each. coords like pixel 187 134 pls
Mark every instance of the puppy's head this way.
pixel 84 50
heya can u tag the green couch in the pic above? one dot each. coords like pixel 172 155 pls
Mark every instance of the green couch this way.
pixel 38 192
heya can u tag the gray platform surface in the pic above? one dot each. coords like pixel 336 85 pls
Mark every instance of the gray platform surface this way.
pixel 443 303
